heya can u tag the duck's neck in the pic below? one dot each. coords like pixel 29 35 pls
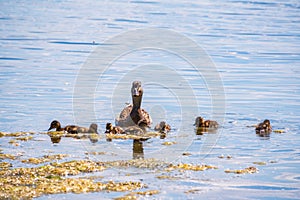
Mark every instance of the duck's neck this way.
pixel 135 112
pixel 136 101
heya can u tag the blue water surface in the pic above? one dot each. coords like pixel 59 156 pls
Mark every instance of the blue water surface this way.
pixel 254 45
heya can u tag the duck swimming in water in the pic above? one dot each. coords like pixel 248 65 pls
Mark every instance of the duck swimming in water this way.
pixel 264 127
pixel 201 123
pixel 133 114
pixel 162 127
pixel 72 128
pixel 110 129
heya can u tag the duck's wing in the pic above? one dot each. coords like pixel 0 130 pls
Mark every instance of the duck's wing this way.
pixel 82 130
pixel 213 124
pixel 124 118
pixel 71 129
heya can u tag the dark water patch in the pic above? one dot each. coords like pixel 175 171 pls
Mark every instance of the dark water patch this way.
pixel 11 58
pixel 131 21
pixel 264 187
pixel 5 18
pixel 74 43
pixel 157 13
pixel 282 150
pixel 98 19
pixel 145 2
pixel 75 51
pixel 33 48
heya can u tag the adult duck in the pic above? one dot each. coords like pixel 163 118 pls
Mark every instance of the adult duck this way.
pixel 201 123
pixel 72 128
pixel 133 114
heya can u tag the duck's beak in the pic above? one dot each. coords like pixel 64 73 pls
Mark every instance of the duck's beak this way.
pixel 135 92
pixel 49 128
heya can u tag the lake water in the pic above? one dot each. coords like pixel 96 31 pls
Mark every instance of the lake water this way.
pixel 254 47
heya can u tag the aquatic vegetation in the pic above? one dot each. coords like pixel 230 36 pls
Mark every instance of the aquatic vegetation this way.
pixel 95 153
pixel 27 183
pixel 45 158
pixel 7 156
pixel 279 131
pixel 168 177
pixel 222 156
pixel 134 195
pixel 168 143
pixel 25 138
pixel 126 137
pixel 248 170
pixel 5 165
pixel 16 134
pixel 137 163
pixel 192 191
pixel 190 167
pixel 259 163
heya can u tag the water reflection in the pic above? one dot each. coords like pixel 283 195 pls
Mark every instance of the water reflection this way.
pixel 137 149
pixel 202 130
pixel 55 139
pixel 263 136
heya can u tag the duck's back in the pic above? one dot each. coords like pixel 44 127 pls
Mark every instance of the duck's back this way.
pixel 125 120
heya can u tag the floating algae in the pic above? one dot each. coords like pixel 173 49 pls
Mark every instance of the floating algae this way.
pixel 5 165
pixel 248 170
pixel 134 195
pixel 45 158
pixel 27 183
pixel 259 163
pixel 279 131
pixel 16 134
pixel 168 143
pixel 7 156
pixel 190 167
pixel 25 138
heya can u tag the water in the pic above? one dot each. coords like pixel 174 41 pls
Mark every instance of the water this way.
pixel 253 44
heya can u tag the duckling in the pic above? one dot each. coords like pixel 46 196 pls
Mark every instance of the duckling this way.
pixel 72 128
pixel 133 114
pixel 162 127
pixel 110 129
pixel 93 128
pixel 201 123
pixel 264 127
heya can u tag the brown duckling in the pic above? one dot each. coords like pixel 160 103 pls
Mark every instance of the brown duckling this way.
pixel 110 129
pixel 133 114
pixel 162 127
pixel 264 127
pixel 72 128
pixel 201 123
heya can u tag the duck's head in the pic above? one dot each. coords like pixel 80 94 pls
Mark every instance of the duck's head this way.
pixel 162 124
pixel 267 122
pixel 54 124
pixel 198 121
pixel 93 128
pixel 136 89
pixel 109 127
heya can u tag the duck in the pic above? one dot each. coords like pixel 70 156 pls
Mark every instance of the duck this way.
pixel 110 129
pixel 201 123
pixel 133 114
pixel 73 129
pixel 162 127
pixel 264 127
